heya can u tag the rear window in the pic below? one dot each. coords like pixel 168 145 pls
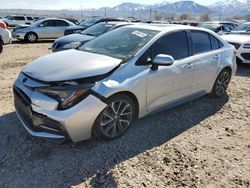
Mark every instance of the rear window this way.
pixel 29 18
pixel 18 18
pixel 215 43
pixel 201 42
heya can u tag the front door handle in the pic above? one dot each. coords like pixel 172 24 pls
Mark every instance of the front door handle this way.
pixel 188 65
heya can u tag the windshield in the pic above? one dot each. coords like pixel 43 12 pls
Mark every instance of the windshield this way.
pixel 97 29
pixel 241 27
pixel 88 22
pixel 120 43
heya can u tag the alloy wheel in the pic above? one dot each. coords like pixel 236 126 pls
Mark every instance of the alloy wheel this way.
pixel 116 118
pixel 222 83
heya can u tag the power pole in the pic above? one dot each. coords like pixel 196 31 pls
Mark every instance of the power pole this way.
pixel 105 12
pixel 81 12
pixel 150 17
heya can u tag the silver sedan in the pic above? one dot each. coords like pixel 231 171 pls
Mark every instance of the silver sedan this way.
pixel 103 86
pixel 51 28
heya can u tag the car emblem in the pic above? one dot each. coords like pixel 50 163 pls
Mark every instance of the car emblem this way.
pixel 25 80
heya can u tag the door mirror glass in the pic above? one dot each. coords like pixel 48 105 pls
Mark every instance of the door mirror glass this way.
pixel 41 25
pixel 162 60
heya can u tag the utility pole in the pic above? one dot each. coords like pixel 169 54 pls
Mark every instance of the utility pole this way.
pixel 81 12
pixel 150 17
pixel 105 12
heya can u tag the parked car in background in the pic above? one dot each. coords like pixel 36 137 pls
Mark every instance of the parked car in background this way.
pixel 130 72
pixel 78 39
pixel 5 35
pixel 75 21
pixel 242 45
pixel 12 21
pixel 242 28
pixel 87 23
pixel 220 29
pixel 37 18
pixel 51 28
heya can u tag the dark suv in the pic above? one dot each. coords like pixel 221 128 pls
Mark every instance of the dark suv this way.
pixel 87 23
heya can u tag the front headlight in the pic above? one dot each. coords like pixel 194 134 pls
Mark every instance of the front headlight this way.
pixel 67 96
pixel 246 45
pixel 71 45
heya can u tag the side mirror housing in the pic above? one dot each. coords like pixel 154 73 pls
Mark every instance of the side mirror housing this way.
pixel 162 60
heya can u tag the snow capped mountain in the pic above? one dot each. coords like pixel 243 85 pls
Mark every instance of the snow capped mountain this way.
pixel 177 7
pixel 229 7
pixel 185 7
pixel 130 7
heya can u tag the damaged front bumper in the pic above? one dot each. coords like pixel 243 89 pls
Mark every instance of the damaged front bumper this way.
pixel 41 118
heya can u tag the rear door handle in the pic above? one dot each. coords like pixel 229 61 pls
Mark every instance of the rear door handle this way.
pixel 216 57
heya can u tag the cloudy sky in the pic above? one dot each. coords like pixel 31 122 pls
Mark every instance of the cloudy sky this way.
pixel 75 4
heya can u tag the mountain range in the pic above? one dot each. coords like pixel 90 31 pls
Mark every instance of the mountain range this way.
pixel 224 8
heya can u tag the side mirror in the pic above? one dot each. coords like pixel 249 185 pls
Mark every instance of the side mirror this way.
pixel 41 25
pixel 162 60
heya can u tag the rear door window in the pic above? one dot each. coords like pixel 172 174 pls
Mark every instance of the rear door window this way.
pixel 61 23
pixel 201 42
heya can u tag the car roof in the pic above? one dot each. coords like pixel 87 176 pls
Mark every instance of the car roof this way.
pixel 165 27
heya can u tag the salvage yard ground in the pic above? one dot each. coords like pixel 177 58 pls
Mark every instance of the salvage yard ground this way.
pixel 204 143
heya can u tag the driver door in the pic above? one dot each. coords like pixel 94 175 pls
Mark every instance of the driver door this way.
pixel 169 84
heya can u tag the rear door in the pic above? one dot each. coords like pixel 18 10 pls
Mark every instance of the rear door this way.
pixel 61 25
pixel 207 54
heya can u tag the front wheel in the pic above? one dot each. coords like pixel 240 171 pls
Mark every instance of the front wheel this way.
pixel 116 118
pixel 31 37
pixel 221 84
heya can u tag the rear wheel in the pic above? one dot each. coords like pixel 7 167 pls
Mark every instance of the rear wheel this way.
pixel 116 118
pixel 31 37
pixel 221 84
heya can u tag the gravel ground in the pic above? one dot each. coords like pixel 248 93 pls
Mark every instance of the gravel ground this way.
pixel 204 143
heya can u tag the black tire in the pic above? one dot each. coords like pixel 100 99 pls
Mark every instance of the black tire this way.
pixel 1 46
pixel 221 83
pixel 119 122
pixel 31 37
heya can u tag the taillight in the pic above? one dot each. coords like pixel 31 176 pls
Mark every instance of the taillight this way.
pixel 3 25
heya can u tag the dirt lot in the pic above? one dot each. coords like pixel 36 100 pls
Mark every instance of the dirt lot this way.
pixel 204 143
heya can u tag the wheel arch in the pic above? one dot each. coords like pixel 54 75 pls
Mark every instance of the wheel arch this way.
pixel 133 97
pixel 25 37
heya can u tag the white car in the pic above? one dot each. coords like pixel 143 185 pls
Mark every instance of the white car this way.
pixel 5 35
pixel 100 88
pixel 242 45
pixel 12 21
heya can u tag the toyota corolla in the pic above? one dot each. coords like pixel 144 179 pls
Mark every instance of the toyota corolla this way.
pixel 100 88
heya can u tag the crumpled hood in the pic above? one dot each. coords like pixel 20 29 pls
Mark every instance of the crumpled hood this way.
pixel 70 65
pixel 236 38
pixel 73 38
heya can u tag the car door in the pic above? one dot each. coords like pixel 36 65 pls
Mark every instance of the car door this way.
pixel 61 25
pixel 207 57
pixel 46 29
pixel 172 83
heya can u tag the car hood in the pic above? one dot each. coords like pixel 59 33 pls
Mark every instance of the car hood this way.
pixel 21 26
pixel 74 38
pixel 70 65
pixel 236 38
pixel 75 27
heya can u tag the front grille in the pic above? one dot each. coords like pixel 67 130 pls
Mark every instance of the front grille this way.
pixel 236 45
pixel 246 56
pixel 35 121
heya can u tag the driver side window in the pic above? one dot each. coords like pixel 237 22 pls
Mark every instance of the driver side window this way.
pixel 174 44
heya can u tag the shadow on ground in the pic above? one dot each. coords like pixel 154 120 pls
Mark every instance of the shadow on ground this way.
pixel 38 42
pixel 243 70
pixel 31 162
